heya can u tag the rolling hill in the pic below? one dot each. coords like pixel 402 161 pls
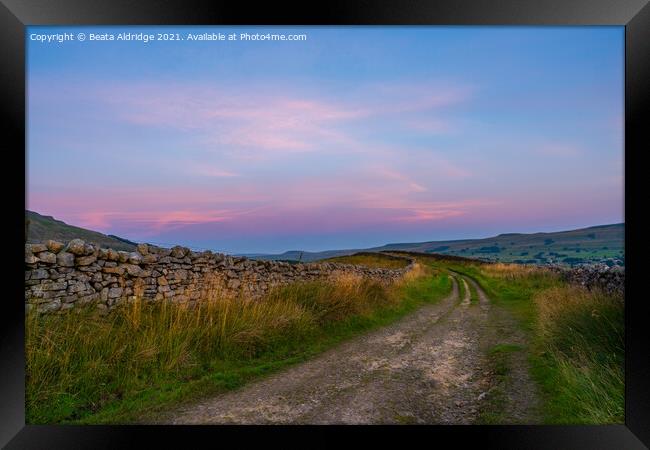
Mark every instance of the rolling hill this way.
pixel 603 243
pixel 42 228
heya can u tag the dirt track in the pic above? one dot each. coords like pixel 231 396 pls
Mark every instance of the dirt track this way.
pixel 428 368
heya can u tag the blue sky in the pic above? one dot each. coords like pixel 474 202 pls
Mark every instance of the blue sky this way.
pixel 356 137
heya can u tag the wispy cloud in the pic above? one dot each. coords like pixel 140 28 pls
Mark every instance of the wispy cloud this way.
pixel 270 122
pixel 390 174
pixel 150 223
pixel 399 131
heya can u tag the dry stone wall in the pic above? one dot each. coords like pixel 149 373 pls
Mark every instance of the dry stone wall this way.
pixel 610 279
pixel 59 277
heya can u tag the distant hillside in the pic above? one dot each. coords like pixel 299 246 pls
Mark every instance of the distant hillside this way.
pixel 593 244
pixel 603 243
pixel 297 255
pixel 42 228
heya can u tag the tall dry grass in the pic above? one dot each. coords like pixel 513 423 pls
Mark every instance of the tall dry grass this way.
pixel 583 331
pixel 79 362
pixel 341 297
pixel 418 270
pixel 514 271
pixel 84 356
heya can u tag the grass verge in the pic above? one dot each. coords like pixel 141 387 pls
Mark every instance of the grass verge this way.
pixel 473 293
pixel 576 339
pixel 582 362
pixel 492 410
pixel 143 359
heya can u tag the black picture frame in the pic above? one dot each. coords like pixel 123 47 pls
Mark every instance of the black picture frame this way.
pixel 633 14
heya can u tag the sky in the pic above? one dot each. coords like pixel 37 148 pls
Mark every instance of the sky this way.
pixel 355 137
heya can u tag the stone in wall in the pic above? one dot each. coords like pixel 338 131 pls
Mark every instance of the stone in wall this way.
pixel 610 279
pixel 59 276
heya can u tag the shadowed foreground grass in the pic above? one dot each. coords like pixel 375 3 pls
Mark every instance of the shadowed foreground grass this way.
pixel 143 358
pixel 584 333
pixel 577 340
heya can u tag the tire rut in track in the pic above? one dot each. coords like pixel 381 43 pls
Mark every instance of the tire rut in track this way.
pixel 427 368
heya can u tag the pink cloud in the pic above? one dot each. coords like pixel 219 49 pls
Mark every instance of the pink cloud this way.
pixel 422 165
pixel 280 122
pixel 365 199
pixel 409 210
pixel 155 221
pixel 390 174
pixel 450 169
pixel 256 125
pixel 418 215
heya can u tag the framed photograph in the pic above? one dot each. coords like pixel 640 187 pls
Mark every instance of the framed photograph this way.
pixel 242 221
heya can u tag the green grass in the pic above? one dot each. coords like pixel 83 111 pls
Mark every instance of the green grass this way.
pixel 405 420
pixel 144 359
pixel 473 293
pixel 501 349
pixel 513 292
pixel 587 244
pixel 461 288
pixel 42 228
pixel 493 407
pixel 576 342
pixel 500 358
pixel 581 366
pixel 370 260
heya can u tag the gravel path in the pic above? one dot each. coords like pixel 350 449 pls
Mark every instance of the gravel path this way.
pixel 428 368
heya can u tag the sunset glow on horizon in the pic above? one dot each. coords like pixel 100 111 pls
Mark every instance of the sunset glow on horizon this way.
pixel 357 137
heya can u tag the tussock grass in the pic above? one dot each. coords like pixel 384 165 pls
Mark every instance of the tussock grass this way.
pixel 514 271
pixel 576 336
pixel 85 368
pixel 343 296
pixel 511 286
pixel 584 333
pixel 417 271
pixel 82 361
